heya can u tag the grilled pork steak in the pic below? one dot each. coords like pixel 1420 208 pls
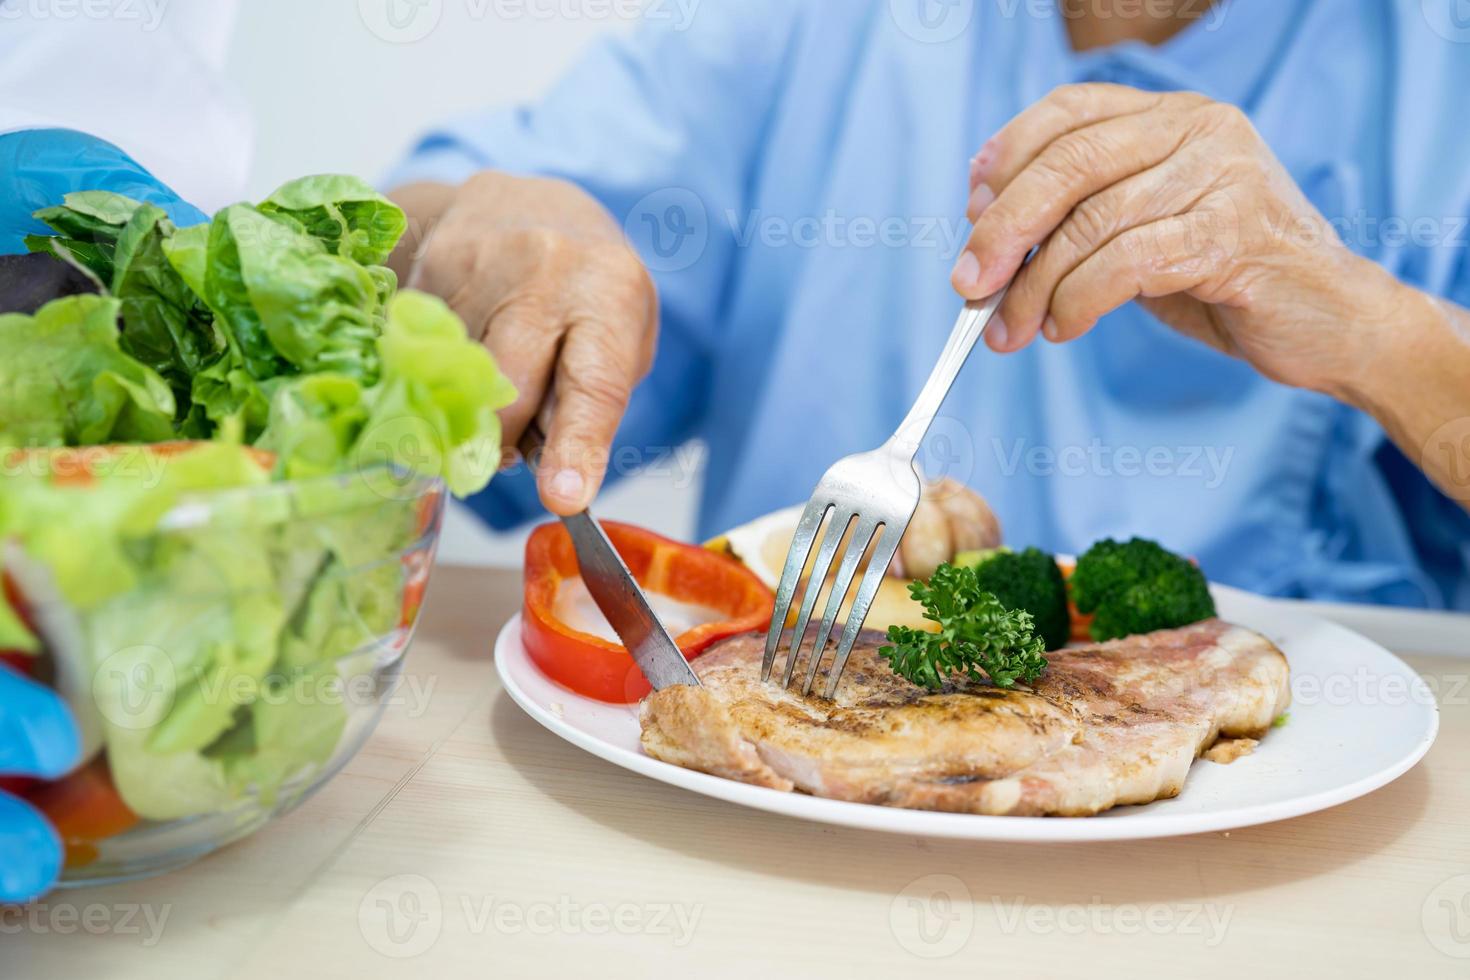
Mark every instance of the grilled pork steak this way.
pixel 1120 722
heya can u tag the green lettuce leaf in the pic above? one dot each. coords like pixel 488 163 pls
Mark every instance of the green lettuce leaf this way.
pixel 164 325
pixel 65 381
pixel 320 312
pixel 435 410
pixel 274 326
pixel 87 225
pixel 351 218
pixel 199 691
pixel 432 413
pixel 228 295
pixel 314 423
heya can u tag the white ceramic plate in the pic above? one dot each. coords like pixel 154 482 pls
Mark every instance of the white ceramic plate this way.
pixel 1360 718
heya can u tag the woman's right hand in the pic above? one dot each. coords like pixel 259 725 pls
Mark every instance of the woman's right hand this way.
pixel 543 276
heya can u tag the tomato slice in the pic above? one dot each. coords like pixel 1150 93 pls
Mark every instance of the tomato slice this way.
pixel 84 808
pixel 604 670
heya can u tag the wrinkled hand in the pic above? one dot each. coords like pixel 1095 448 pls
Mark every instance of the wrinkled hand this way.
pixel 1174 200
pixel 543 275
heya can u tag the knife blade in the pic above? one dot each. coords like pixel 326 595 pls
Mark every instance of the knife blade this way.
pixel 622 601
pixel 613 587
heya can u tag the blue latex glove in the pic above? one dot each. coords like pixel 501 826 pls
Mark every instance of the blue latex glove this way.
pixel 40 166
pixel 37 738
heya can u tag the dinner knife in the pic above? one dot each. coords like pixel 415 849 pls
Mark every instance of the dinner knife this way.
pixel 615 590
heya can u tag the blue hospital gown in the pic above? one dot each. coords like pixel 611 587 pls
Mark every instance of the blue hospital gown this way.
pixel 794 172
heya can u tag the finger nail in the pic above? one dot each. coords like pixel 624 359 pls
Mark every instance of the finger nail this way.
pixel 568 485
pixel 1000 334
pixel 981 163
pixel 983 198
pixel 1050 330
pixel 966 275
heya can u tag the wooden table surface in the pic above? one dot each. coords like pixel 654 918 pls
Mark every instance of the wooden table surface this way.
pixel 466 841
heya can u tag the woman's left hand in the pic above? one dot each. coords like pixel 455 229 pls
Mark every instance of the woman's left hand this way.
pixel 1174 200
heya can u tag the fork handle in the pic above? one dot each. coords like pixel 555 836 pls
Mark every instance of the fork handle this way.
pixel 968 330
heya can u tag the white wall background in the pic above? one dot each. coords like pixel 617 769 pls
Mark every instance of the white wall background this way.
pixel 345 86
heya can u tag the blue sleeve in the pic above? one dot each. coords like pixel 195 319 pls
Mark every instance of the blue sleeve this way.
pixel 1441 525
pixel 38 167
pixel 663 127
pixel 1435 528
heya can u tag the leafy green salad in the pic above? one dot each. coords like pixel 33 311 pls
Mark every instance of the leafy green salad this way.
pixel 277 414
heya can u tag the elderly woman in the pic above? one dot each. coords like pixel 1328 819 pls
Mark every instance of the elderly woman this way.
pixel 1251 220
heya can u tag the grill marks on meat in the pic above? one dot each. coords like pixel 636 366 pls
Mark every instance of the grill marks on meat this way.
pixel 1116 723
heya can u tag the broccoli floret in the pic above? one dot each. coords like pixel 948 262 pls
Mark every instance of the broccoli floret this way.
pixel 1028 580
pixel 1138 587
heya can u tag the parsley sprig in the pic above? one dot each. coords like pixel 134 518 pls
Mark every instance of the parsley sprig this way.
pixel 976 633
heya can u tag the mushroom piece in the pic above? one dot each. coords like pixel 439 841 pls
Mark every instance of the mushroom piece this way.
pixel 972 523
pixel 951 518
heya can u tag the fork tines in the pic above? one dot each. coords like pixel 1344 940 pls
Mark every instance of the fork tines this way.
pixel 840 521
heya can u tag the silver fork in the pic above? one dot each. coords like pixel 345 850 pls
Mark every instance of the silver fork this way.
pixel 876 493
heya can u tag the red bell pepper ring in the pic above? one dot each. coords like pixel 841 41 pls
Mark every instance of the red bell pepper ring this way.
pixel 604 670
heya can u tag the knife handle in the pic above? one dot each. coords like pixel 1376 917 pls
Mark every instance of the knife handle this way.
pixel 532 444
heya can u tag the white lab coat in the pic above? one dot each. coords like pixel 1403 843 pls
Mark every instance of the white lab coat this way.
pixel 146 75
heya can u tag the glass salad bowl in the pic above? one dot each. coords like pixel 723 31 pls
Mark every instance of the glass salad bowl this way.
pixel 246 659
